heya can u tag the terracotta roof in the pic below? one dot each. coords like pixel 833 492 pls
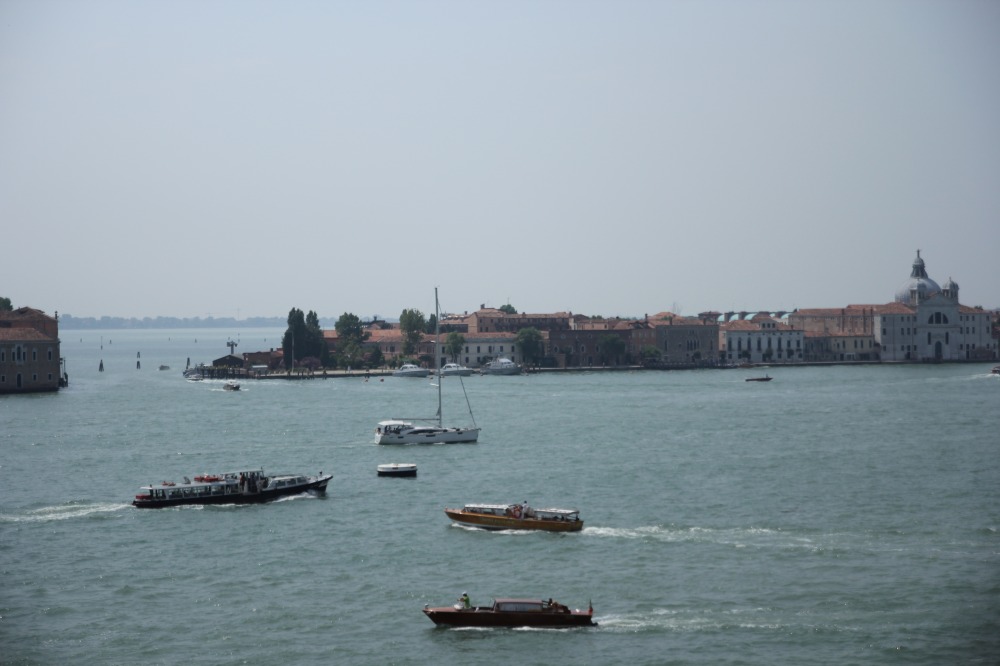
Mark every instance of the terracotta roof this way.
pixel 23 313
pixel 739 325
pixel 894 308
pixel 23 334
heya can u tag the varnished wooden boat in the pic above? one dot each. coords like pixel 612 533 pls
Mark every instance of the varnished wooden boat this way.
pixel 516 517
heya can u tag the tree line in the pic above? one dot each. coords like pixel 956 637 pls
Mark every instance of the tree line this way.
pixel 304 346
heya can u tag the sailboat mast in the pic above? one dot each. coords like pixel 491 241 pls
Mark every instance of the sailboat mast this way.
pixel 437 349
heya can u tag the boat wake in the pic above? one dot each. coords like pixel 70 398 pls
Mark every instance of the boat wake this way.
pixel 63 512
pixel 509 532
pixel 689 620
pixel 739 537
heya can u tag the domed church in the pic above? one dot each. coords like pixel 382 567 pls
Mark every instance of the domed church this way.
pixel 927 323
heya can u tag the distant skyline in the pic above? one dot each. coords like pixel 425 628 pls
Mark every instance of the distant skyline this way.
pixel 240 158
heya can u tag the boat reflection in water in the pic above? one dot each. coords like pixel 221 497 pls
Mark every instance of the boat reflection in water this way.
pixel 511 613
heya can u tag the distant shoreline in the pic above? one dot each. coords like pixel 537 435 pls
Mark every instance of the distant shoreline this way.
pixel 69 322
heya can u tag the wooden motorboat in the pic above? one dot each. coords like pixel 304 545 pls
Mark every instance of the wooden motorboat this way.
pixel 397 469
pixel 512 613
pixel 248 487
pixel 516 517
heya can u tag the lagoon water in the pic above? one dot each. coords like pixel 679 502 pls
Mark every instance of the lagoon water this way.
pixel 836 515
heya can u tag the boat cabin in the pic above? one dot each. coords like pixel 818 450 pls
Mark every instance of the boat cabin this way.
pixel 528 606
pixel 515 510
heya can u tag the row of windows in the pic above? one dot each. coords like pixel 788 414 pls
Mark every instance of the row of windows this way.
pixel 739 344
pixel 34 377
pixel 19 353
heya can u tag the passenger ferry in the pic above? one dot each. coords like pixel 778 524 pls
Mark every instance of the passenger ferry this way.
pixel 516 517
pixel 248 487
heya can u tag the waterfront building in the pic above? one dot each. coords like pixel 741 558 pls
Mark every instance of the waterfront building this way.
pixel 838 335
pixel 685 341
pixel 29 352
pixel 926 322
pixel 761 339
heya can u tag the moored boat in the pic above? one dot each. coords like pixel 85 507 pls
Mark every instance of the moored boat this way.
pixel 396 431
pixel 247 487
pixel 501 366
pixel 511 613
pixel 454 370
pixel 410 370
pixel 516 517
pixel 397 469
pixel 432 430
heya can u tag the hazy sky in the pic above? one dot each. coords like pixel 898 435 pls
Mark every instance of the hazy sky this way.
pixel 193 158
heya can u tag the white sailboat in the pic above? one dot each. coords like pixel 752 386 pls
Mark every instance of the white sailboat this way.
pixel 428 431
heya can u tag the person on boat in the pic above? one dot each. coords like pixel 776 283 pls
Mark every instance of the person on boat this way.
pixel 464 600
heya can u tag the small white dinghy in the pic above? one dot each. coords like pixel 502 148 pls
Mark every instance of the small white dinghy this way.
pixel 397 469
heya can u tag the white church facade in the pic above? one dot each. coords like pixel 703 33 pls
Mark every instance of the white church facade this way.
pixel 926 322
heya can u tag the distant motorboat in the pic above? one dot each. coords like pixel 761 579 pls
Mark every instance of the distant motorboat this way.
pixel 397 469
pixel 765 378
pixel 231 386
pixel 164 367
pixel 511 613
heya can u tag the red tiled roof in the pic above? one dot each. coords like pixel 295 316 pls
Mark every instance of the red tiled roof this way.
pixel 22 334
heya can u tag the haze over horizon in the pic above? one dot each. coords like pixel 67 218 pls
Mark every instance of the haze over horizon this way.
pixel 617 158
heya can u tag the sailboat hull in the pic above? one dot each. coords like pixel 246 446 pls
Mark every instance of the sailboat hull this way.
pixel 425 435
pixel 398 431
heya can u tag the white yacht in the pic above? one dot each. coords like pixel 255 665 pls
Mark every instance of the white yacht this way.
pixel 454 370
pixel 501 366
pixel 410 370
pixel 428 430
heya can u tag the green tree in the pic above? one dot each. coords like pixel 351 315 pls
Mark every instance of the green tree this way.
pixel 294 339
pixel 650 354
pixel 412 323
pixel 453 345
pixel 431 324
pixel 374 358
pixel 351 335
pixel 5 305
pixel 532 346
pixel 303 338
pixel 508 308
pixel 612 346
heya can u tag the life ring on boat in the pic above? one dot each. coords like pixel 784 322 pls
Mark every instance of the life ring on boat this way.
pixel 515 511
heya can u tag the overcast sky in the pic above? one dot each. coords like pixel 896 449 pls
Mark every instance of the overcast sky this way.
pixel 194 158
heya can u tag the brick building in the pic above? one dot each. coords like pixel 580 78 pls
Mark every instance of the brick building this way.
pixel 29 352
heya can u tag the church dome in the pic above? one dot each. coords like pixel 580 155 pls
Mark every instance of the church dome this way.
pixel 950 285
pixel 919 281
